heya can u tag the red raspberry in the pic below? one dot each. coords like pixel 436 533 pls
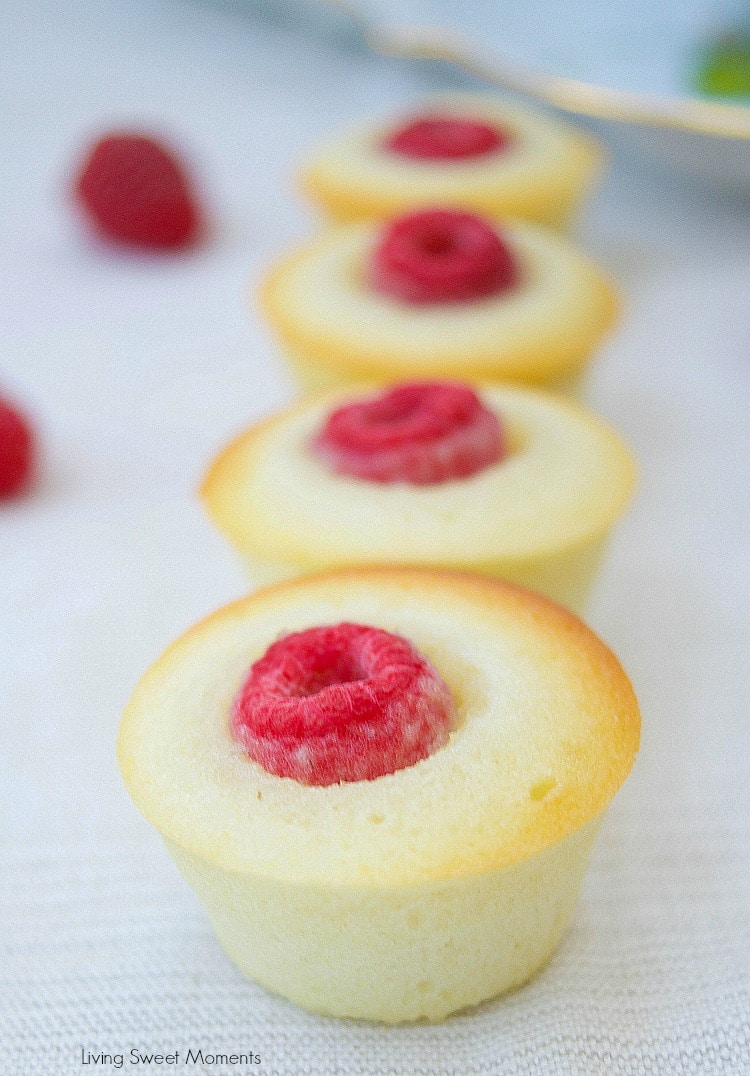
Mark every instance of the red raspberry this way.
pixel 136 193
pixel 441 256
pixel 445 138
pixel 16 451
pixel 422 432
pixel 341 703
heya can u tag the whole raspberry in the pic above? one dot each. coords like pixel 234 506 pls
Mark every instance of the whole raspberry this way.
pixel 16 450
pixel 441 256
pixel 344 702
pixel 135 192
pixel 421 432
pixel 437 137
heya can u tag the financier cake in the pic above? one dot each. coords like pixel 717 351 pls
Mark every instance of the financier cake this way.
pixel 507 481
pixel 439 292
pixel 472 151
pixel 383 785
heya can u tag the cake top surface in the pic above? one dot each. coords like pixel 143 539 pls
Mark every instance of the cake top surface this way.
pixel 533 147
pixel 321 300
pixel 565 479
pixel 545 731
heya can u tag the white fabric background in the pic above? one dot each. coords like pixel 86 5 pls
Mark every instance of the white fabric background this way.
pixel 137 369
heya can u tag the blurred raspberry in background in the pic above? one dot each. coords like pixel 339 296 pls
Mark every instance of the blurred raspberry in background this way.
pixel 136 192
pixel 17 450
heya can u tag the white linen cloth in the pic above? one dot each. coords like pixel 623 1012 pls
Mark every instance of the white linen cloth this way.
pixel 137 369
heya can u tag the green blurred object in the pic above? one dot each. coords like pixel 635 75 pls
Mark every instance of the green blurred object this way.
pixel 724 70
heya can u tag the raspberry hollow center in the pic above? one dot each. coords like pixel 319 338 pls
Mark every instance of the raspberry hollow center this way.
pixel 421 433
pixel 439 137
pixel 441 256
pixel 343 702
pixel 325 669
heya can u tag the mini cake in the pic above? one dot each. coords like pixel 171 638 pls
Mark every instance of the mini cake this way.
pixel 503 480
pixel 438 293
pixel 472 151
pixel 383 785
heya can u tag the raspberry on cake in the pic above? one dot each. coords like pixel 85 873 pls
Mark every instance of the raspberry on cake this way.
pixel 341 703
pixel 441 883
pixel 422 433
pixel 440 136
pixel 441 256
pixel 479 152
pixel 507 481
pixel 440 293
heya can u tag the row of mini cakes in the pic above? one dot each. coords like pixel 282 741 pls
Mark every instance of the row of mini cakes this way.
pixel 384 780
pixel 383 784
pixel 440 267
pixel 478 152
pixel 507 481
pixel 439 292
